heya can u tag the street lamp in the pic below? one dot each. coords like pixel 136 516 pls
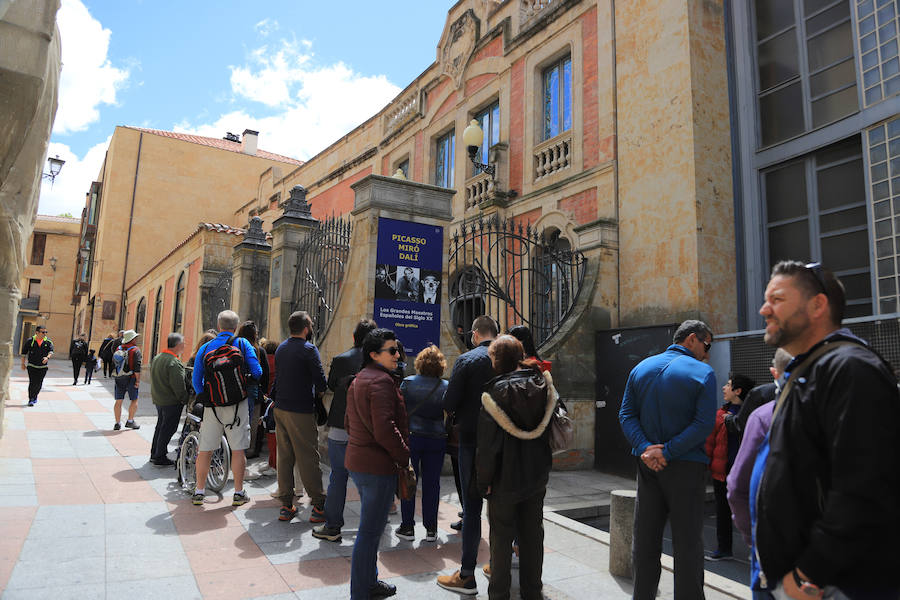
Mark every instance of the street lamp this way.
pixel 56 165
pixel 473 136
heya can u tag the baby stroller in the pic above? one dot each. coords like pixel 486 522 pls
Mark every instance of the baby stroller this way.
pixel 189 448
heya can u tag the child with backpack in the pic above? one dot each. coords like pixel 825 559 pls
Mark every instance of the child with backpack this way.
pixel 90 365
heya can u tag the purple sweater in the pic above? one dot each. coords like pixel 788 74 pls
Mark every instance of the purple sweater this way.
pixel 739 478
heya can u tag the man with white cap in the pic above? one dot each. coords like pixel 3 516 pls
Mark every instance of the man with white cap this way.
pixel 127 369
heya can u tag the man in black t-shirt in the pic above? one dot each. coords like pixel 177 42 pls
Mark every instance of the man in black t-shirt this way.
pixel 36 353
pixel 78 351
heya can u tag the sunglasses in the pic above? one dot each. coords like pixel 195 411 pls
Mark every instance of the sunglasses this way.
pixel 707 346
pixel 393 350
pixel 816 269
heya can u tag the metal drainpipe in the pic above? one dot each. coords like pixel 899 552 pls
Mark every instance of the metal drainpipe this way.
pixel 615 92
pixel 137 165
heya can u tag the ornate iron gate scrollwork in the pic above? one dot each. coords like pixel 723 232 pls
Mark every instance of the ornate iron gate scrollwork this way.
pixel 319 273
pixel 216 299
pixel 514 274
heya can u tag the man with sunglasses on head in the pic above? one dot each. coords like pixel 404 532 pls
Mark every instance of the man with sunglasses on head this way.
pixel 668 410
pixel 826 482
pixel 36 353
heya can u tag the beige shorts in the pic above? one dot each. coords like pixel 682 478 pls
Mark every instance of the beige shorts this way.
pixel 212 428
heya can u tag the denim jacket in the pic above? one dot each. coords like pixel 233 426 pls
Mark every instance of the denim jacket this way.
pixel 426 413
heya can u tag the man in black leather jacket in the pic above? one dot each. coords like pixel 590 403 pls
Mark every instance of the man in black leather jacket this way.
pixel 827 514
pixel 344 368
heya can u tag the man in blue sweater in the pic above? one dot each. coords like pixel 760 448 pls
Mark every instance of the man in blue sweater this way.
pixel 213 425
pixel 668 410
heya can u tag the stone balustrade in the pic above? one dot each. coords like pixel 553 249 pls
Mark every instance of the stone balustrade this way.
pixel 553 156
pixel 401 112
pixel 530 9
pixel 477 189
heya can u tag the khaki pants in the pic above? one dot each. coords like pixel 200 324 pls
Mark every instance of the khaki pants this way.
pixel 297 441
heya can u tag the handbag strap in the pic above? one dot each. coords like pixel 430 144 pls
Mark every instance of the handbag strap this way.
pixel 430 394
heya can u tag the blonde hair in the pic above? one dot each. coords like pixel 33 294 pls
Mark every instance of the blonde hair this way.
pixel 430 362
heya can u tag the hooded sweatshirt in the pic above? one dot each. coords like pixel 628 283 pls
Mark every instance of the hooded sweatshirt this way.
pixel 513 456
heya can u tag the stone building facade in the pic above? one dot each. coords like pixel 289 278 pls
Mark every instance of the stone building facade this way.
pixel 49 271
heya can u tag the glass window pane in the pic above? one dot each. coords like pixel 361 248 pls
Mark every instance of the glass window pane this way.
pixel 838 152
pixel 891 67
pixel 887 287
pixel 879 172
pixel 887 305
pixel 889 50
pixel 883 228
pixel 867 25
pixel 857 310
pixel 778 60
pixel 772 16
pixel 567 95
pixel 785 193
pixel 876 135
pixel 811 6
pixel 884 248
pixel 843 219
pixel 869 42
pixel 881 209
pixel 870 77
pixel 551 102
pixel 826 19
pixel 857 286
pixel 789 242
pixel 836 106
pixel 846 251
pixel 781 114
pixel 886 14
pixel 885 266
pixel 880 191
pixel 865 8
pixel 495 124
pixel 835 77
pixel 829 47
pixel 892 86
pixel 893 128
pixel 887 32
pixel 878 153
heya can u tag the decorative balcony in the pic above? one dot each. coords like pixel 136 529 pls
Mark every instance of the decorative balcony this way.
pixel 553 156
pixel 478 189
pixel 401 112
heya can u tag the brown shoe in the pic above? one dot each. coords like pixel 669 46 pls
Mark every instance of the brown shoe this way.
pixel 459 584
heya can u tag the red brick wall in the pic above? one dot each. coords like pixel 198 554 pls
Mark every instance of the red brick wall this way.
pixel 581 206
pixel 495 48
pixel 527 218
pixel 419 162
pixel 516 124
pixel 448 105
pixel 589 108
pixel 338 199
pixel 191 307
pixel 478 82
pixel 386 165
pixel 165 325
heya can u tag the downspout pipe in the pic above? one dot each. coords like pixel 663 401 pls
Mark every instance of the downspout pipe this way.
pixel 137 166
pixel 615 99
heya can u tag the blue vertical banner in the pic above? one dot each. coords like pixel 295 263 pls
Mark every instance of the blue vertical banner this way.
pixel 408 290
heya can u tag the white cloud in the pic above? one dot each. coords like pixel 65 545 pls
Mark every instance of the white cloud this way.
pixel 313 104
pixel 74 180
pixel 266 27
pixel 88 78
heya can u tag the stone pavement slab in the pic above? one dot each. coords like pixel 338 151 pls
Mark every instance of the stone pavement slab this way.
pixel 87 516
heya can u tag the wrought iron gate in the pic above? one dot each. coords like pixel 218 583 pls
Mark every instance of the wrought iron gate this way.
pixel 319 274
pixel 515 274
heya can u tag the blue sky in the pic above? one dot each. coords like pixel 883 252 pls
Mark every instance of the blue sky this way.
pixel 302 73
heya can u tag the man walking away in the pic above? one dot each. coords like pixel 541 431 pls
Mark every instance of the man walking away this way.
pixel 826 483
pixel 344 368
pixel 463 398
pixel 127 359
pixel 36 353
pixel 299 379
pixel 169 395
pixel 231 420
pixel 668 410
pixel 105 354
pixel 78 351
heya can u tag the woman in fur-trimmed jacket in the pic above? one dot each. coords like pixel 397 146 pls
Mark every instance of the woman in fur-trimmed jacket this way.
pixel 513 463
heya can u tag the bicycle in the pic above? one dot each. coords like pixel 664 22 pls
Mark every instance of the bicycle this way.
pixel 189 448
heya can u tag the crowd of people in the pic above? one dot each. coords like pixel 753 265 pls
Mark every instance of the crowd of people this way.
pixel 804 465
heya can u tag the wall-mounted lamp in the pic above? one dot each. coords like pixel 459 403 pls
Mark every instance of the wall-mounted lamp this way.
pixel 53 261
pixel 473 136
pixel 56 165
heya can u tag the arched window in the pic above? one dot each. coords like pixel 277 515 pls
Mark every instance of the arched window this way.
pixel 157 314
pixel 552 293
pixel 179 304
pixel 141 316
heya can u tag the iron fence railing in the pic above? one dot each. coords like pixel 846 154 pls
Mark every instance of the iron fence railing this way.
pixel 319 275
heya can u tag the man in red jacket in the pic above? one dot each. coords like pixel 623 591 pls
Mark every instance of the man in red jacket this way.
pixel 721 447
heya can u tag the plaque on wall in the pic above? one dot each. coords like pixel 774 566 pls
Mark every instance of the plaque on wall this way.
pixel 276 277
pixel 109 310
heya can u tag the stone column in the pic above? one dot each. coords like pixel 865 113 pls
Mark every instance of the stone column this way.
pixel 289 231
pixel 29 78
pixel 621 527
pixel 250 275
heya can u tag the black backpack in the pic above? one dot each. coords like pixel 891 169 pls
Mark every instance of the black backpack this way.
pixel 223 370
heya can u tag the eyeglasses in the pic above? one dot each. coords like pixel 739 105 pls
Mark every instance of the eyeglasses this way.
pixel 393 350
pixel 816 269
pixel 707 346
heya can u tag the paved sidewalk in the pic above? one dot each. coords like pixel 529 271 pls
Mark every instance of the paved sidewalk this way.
pixel 86 516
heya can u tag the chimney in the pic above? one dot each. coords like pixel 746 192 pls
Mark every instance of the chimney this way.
pixel 248 142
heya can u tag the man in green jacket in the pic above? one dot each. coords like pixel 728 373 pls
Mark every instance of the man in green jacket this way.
pixel 169 393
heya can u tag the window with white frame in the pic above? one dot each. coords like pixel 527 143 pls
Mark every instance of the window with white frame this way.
pixel 556 96
pixel 445 149
pixel 489 121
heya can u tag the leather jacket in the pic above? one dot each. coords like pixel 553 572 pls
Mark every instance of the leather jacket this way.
pixel 376 423
pixel 513 456
pixel 344 367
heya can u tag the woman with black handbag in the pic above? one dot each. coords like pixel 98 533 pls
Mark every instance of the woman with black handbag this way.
pixel 424 397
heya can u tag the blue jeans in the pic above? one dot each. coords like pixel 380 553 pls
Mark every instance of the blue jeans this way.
pixel 427 457
pixel 471 530
pixel 337 485
pixel 375 494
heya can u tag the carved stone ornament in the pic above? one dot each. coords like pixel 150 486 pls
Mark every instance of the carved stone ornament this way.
pixel 457 44
pixel 255 235
pixel 296 207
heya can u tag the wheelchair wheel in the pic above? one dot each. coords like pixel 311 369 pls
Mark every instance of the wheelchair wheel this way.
pixel 219 467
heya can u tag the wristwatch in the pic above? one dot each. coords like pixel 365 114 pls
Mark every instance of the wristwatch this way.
pixel 807 587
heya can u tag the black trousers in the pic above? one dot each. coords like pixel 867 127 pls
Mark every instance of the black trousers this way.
pixel 107 368
pixel 35 381
pixel 524 519
pixel 723 516
pixel 675 494
pixel 167 419
pixel 76 367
